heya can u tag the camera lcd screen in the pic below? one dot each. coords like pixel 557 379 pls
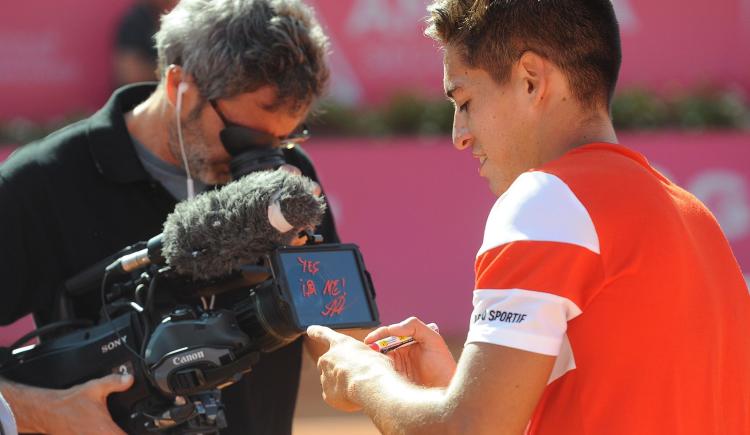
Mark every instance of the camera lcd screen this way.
pixel 328 287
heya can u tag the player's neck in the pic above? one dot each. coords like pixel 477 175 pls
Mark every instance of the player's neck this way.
pixel 597 128
pixel 578 128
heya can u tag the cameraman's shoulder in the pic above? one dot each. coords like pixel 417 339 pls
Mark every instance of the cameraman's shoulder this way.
pixel 58 149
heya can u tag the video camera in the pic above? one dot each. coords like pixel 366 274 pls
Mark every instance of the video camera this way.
pixel 181 353
pixel 190 311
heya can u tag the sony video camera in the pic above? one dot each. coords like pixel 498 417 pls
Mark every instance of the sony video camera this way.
pixel 182 350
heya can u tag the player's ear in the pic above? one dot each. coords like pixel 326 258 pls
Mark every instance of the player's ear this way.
pixel 533 74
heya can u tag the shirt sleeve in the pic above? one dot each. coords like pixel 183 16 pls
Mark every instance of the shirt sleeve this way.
pixel 15 297
pixel 538 267
pixel 7 420
pixel 29 276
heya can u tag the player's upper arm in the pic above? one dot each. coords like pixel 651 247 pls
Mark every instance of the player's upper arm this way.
pixel 496 389
pixel 533 276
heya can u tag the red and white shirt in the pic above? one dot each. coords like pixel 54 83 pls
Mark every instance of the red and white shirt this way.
pixel 627 279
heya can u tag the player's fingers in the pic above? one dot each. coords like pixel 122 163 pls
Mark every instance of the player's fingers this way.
pixel 322 334
pixel 412 327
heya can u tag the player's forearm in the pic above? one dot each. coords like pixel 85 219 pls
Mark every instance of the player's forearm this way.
pixel 28 405
pixel 399 407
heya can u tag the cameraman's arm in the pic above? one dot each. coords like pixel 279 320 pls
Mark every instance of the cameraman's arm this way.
pixel 24 235
pixel 81 409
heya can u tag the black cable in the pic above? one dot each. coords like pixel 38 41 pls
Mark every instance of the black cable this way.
pixel 137 294
pixel 149 305
pixel 109 319
pixel 147 309
pixel 46 329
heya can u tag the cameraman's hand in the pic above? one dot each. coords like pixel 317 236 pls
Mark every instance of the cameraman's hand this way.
pixel 295 170
pixel 300 240
pixel 428 362
pixel 83 409
pixel 78 410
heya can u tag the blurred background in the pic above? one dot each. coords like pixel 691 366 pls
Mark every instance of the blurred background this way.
pixel 381 140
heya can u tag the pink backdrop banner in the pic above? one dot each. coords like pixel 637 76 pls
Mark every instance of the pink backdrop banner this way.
pixel 417 208
pixel 56 58
pixel 379 48
pixel 5 151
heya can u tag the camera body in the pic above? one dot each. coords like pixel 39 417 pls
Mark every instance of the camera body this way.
pixel 182 354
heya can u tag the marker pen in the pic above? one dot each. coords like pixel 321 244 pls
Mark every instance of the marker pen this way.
pixel 387 344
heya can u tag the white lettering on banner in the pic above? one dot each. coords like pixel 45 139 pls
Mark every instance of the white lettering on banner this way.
pixel 397 17
pixel 389 61
pixel 346 87
pixel 393 18
pixel 664 171
pixel 625 15
pixel 725 193
pixel 35 57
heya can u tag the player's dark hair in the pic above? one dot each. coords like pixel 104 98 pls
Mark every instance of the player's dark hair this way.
pixel 581 37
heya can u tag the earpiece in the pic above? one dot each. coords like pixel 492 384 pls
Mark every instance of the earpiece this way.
pixel 182 88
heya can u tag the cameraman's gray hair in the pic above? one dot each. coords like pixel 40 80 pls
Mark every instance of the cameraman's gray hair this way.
pixel 230 47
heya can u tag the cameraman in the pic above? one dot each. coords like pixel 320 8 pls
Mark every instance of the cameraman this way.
pixel 86 191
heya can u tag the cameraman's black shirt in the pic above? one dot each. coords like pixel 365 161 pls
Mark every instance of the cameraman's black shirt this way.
pixel 80 195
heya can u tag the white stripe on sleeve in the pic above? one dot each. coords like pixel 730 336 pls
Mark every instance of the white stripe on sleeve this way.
pixel 539 207
pixel 522 319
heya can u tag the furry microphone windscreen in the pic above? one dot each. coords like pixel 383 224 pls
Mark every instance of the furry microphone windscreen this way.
pixel 216 232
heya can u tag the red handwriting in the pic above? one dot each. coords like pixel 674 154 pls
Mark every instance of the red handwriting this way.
pixel 335 307
pixel 309 266
pixel 308 288
pixel 332 287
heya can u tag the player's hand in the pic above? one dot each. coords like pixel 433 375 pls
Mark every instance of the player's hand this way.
pixel 427 362
pixel 82 409
pixel 344 368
